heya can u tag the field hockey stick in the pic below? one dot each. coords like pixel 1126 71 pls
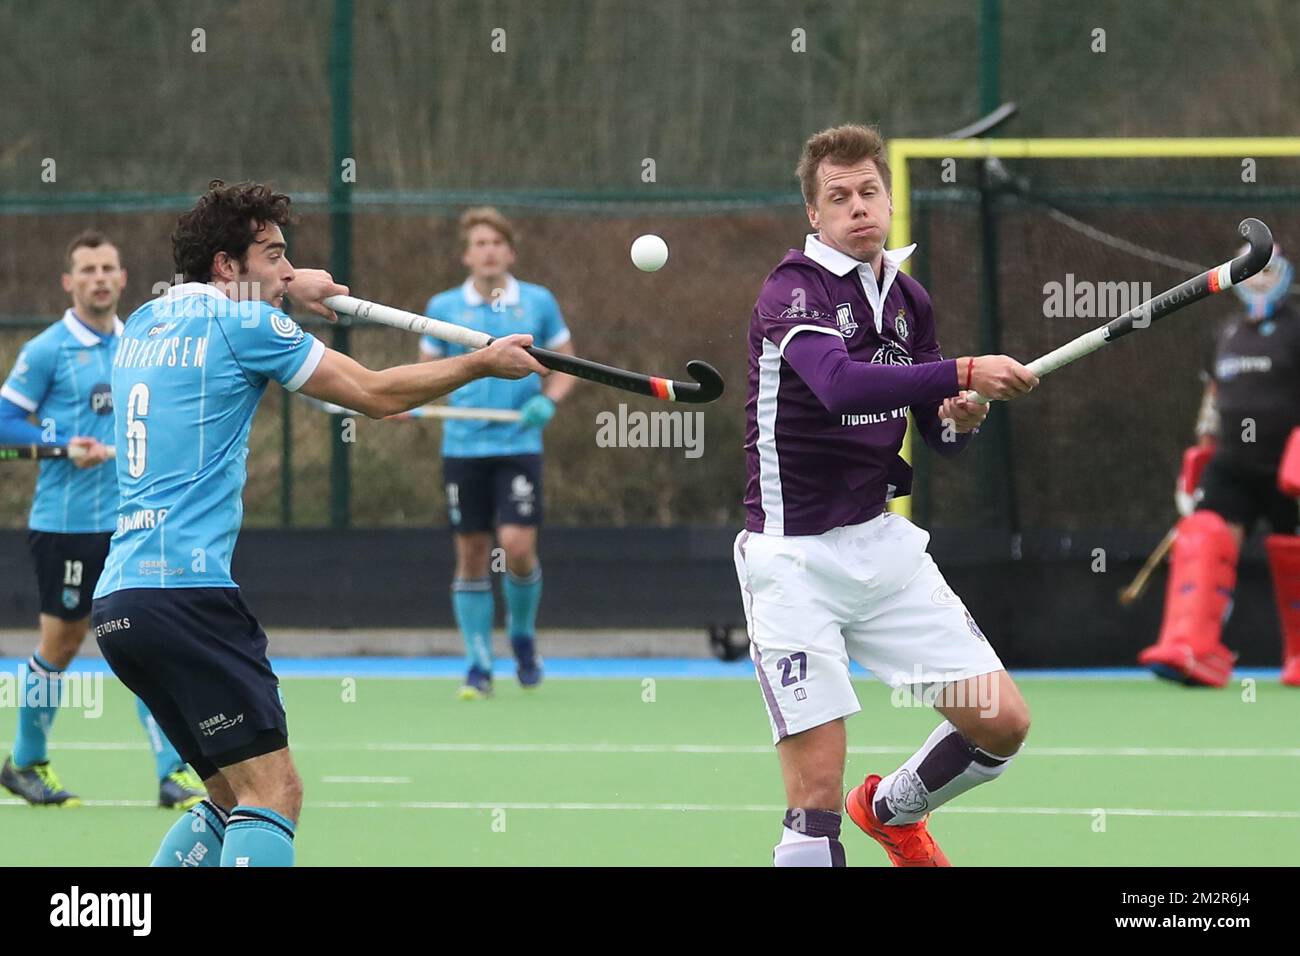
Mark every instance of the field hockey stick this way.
pixel 1221 277
pixel 1139 583
pixel 707 386
pixel 429 411
pixel 985 124
pixel 32 452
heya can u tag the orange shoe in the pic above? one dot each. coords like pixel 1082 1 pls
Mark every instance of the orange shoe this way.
pixel 907 845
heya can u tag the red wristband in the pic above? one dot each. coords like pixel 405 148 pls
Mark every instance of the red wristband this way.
pixel 970 368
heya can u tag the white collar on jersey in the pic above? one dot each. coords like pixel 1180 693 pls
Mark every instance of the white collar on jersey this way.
pixel 193 288
pixel 841 264
pixel 509 297
pixel 83 333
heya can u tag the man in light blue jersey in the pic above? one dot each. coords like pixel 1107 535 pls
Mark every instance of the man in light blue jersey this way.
pixel 61 379
pixel 492 470
pixel 192 367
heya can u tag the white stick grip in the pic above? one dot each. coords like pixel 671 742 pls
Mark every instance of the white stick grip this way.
pixel 407 321
pixel 76 451
pixel 1058 357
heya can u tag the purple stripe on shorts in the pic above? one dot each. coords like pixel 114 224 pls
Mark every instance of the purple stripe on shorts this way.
pixel 781 729
pixel 757 657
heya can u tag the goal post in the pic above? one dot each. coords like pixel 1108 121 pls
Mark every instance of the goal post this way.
pixel 904 152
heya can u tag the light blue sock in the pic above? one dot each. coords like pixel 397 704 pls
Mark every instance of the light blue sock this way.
pixel 195 839
pixel 165 758
pixel 523 595
pixel 256 836
pixel 474 606
pixel 36 711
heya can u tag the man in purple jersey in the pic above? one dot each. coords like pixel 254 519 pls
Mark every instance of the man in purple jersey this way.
pixel 841 346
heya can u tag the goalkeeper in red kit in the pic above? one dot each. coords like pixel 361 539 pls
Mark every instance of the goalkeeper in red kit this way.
pixel 1246 468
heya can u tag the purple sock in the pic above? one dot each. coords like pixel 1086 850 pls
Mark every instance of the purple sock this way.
pixel 946 766
pixel 810 838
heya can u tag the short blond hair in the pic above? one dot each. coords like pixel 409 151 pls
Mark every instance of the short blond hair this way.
pixel 844 146
pixel 486 216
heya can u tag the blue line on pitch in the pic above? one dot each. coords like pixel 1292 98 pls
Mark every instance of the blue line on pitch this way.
pixel 626 668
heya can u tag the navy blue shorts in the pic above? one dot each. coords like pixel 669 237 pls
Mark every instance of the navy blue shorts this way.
pixel 485 492
pixel 67 569
pixel 197 658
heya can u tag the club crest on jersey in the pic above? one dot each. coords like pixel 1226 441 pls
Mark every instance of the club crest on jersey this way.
pixel 285 327
pixel 844 318
pixel 900 325
pixel 891 354
pixel 71 598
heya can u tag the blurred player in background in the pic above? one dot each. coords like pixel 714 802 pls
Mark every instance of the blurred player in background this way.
pixel 1243 470
pixel 493 470
pixel 841 345
pixel 62 379
pixel 192 368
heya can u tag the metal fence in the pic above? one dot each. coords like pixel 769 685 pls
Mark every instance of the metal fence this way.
pixel 593 122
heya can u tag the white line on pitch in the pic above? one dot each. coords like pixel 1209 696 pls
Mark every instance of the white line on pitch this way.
pixel 12 802
pixel 365 779
pixel 734 749
pixel 742 807
pixel 774 808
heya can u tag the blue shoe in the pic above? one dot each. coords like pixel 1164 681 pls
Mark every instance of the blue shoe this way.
pixel 530 664
pixel 180 790
pixel 38 785
pixel 478 685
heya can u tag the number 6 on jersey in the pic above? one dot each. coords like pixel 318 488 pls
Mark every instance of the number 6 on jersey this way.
pixel 137 408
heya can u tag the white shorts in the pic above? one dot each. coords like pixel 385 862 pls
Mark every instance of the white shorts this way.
pixel 869 592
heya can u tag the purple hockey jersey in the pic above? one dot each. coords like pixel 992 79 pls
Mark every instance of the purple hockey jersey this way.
pixel 836 360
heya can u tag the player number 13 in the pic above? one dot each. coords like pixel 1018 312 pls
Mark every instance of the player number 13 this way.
pixel 137 408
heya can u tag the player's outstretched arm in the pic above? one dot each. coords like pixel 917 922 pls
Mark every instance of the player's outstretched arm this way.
pixel 845 386
pixel 377 394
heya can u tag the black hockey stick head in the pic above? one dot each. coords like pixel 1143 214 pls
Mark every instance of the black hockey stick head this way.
pixel 1260 242
pixel 709 388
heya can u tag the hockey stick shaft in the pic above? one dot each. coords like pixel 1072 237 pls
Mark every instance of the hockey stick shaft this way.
pixel 1139 583
pixel 42 452
pixel 1230 273
pixel 429 411
pixel 707 386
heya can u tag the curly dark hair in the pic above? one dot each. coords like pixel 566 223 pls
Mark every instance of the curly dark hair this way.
pixel 225 219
